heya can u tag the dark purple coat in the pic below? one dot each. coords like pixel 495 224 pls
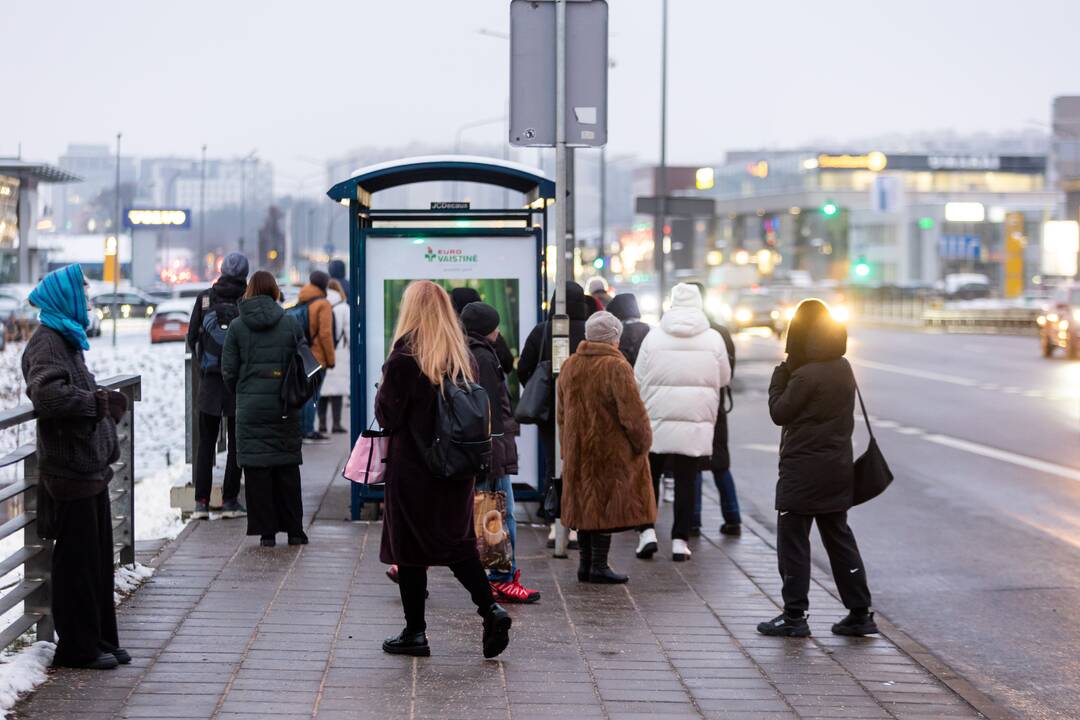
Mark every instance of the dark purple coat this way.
pixel 426 520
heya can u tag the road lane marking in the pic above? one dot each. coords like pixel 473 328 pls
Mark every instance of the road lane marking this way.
pixel 761 447
pixel 993 453
pixel 912 372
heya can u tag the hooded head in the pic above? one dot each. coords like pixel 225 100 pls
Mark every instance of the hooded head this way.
pixel 235 265
pixel 320 280
pixel 61 298
pixel 337 269
pixel 603 327
pixel 813 335
pixel 462 296
pixel 685 318
pixel 685 295
pixel 624 306
pixel 479 318
pixel 576 309
pixel 597 285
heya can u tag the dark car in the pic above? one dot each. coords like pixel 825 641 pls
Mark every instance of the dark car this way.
pixel 127 304
pixel 1059 322
pixel 756 310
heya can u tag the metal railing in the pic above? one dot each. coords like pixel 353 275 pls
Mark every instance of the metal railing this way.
pixel 937 314
pixel 34 591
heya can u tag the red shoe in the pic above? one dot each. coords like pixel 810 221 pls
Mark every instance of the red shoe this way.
pixel 514 592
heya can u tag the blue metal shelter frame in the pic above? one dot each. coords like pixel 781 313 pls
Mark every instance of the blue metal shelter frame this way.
pixel 365 222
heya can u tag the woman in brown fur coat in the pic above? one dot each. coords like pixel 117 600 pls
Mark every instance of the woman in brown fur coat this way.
pixel 605 439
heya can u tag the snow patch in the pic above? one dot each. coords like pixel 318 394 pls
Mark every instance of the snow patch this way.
pixel 127 580
pixel 22 671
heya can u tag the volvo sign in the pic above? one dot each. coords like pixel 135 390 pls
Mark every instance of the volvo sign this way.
pixel 160 218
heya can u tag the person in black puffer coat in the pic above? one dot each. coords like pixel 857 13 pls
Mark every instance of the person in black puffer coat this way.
pixel 812 397
pixel 624 306
pixel 462 296
pixel 259 346
pixel 214 400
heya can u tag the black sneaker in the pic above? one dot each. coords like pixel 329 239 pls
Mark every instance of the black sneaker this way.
pixel 202 511
pixel 856 625
pixel 784 626
pixel 104 661
pixel 407 643
pixel 497 624
pixel 122 656
pixel 339 431
pixel 233 509
pixel 731 529
pixel 268 541
pixel 298 539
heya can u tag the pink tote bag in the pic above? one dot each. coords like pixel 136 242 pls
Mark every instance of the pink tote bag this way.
pixel 367 461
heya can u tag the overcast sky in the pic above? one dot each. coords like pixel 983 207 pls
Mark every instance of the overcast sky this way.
pixel 303 81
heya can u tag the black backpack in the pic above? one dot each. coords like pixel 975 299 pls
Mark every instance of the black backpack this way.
pixel 301 377
pixel 461 448
pixel 215 325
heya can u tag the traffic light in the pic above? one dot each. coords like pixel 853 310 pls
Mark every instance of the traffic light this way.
pixel 598 263
pixel 861 268
pixel 829 208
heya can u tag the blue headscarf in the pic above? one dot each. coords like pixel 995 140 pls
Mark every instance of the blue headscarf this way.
pixel 62 301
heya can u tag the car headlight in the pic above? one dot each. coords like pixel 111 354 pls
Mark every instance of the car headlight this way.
pixel 125 310
pixel 715 306
pixel 149 310
pixel 775 314
pixel 1051 317
pixel 743 315
pixel 100 314
pixel 1076 315
pixel 839 313
pixel 649 303
pixel 789 313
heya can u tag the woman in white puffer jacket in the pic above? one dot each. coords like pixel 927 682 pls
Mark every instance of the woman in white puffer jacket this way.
pixel 681 368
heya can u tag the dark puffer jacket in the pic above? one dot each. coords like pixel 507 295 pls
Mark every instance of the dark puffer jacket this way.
pixel 625 307
pixel 503 426
pixel 815 405
pixel 76 442
pixel 214 398
pixel 258 348
pixel 538 345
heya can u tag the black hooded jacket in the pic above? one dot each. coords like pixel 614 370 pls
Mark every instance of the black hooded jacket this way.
pixel 462 296
pixel 538 345
pixel 624 306
pixel 812 397
pixel 214 398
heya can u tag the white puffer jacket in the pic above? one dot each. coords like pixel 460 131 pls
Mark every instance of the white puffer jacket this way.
pixel 681 368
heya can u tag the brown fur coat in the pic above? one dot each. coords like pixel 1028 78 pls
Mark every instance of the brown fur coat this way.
pixel 605 439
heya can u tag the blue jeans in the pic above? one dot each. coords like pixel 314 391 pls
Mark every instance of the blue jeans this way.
pixel 729 501
pixel 311 407
pixel 504 484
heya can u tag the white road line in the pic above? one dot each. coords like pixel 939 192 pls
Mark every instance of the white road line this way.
pixel 1005 456
pixel 912 372
pixel 910 431
pixel 761 447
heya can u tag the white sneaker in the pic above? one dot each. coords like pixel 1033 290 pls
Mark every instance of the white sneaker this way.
pixel 669 490
pixel 680 550
pixel 646 546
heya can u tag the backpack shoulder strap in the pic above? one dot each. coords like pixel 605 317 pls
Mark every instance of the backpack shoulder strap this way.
pixel 865 415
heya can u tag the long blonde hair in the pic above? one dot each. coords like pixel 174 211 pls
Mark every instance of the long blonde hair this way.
pixel 433 333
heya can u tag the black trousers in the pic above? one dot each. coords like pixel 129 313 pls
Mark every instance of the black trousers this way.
pixel 685 471
pixel 793 553
pixel 209 426
pixel 334 402
pixel 274 503
pixel 412 584
pixel 82 579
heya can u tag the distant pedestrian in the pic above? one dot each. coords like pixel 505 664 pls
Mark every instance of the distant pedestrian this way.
pixel 720 462
pixel 337 383
pixel 462 296
pixel 481 323
pixel 598 291
pixel 258 349
pixel 606 436
pixel 537 349
pixel 812 397
pixel 681 368
pixel 428 520
pixel 624 306
pixel 340 272
pixel 314 310
pixel 76 446
pixel 214 310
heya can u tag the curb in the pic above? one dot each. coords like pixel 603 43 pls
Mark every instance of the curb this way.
pixel 977 699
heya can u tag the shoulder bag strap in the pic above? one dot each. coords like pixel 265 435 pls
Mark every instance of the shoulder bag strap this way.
pixel 862 406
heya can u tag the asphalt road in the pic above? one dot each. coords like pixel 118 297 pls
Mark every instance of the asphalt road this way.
pixel 975 549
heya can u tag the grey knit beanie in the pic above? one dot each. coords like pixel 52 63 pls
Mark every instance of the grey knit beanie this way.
pixel 603 327
pixel 235 265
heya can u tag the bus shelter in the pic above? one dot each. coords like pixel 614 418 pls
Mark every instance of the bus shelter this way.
pixel 499 252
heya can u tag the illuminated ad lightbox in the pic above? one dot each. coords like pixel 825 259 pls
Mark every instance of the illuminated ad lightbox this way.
pixel 501 268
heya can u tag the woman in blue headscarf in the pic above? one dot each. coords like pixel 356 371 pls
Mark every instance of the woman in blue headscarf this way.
pixel 76 445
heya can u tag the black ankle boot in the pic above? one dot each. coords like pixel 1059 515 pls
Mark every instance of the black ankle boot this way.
pixel 585 558
pixel 408 642
pixel 601 572
pixel 497 624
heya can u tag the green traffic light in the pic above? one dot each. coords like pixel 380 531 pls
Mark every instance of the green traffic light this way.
pixel 598 263
pixel 926 223
pixel 862 269
pixel 829 209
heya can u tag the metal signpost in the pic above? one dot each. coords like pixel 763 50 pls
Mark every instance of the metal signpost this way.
pixel 542 49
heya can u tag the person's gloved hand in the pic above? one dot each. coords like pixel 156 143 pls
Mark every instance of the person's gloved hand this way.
pixel 118 404
pixel 101 397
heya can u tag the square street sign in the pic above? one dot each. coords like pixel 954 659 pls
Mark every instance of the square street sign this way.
pixel 532 73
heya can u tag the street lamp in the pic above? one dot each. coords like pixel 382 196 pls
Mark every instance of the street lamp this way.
pixel 243 197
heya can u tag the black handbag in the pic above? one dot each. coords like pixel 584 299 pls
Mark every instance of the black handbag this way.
pixel 301 378
pixel 872 473
pixel 534 406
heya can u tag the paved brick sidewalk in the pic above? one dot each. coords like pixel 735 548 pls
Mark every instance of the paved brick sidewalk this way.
pixel 229 630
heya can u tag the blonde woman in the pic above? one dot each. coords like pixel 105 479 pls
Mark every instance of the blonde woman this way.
pixel 428 521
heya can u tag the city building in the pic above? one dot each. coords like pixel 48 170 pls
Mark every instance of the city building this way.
pixel 19 181
pixel 89 205
pixel 1065 151
pixel 883 218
